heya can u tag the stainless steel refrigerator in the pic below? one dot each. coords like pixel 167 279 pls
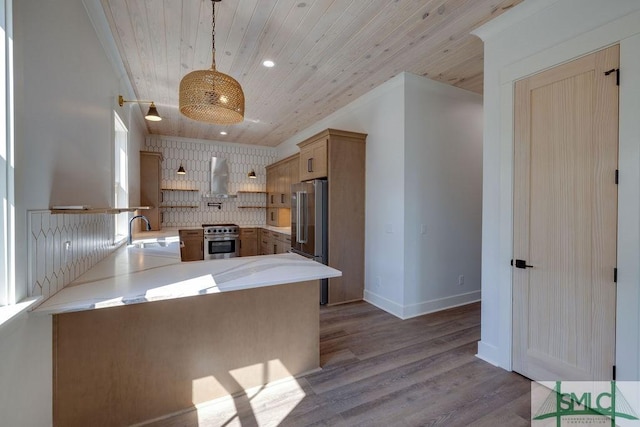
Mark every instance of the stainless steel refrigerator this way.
pixel 309 224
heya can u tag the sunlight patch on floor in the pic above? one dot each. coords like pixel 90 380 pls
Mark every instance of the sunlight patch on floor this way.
pixel 280 398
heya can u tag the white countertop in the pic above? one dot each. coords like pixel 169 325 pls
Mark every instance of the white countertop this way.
pixel 132 275
pixel 283 230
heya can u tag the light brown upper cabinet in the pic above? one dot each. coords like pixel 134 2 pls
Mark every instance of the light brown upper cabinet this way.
pixel 340 157
pixel 313 158
pixel 280 176
pixel 150 179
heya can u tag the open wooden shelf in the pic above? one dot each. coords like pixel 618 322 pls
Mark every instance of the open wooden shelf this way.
pixel 179 207
pixel 251 207
pixel 251 192
pixel 99 210
pixel 180 189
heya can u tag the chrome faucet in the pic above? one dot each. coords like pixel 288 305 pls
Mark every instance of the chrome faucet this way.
pixel 144 218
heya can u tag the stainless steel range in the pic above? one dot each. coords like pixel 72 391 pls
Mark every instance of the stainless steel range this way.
pixel 221 241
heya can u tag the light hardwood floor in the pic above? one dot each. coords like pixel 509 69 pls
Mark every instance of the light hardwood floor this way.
pixel 382 371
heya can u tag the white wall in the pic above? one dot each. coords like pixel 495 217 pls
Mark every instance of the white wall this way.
pixel 530 38
pixel 423 166
pixel 443 192
pixel 379 114
pixel 65 94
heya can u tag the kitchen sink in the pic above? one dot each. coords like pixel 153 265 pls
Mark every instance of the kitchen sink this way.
pixel 165 248
pixel 142 245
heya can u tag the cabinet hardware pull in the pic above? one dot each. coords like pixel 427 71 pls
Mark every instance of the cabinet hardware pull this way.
pixel 310 165
pixel 282 198
pixel 521 264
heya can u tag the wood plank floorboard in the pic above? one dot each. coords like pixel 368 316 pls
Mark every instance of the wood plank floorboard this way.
pixel 378 370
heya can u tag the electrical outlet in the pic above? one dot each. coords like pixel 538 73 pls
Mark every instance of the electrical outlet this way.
pixel 460 280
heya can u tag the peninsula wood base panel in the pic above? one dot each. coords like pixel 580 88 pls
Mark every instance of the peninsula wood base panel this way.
pixel 123 365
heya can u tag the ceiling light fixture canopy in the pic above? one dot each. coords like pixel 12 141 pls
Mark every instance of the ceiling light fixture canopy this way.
pixel 211 96
pixel 152 115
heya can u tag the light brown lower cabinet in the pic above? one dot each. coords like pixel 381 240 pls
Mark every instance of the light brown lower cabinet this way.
pixel 272 242
pixel 191 244
pixel 125 365
pixel 248 241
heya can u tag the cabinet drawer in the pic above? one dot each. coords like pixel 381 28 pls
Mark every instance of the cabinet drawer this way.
pixel 248 232
pixel 275 235
pixel 199 233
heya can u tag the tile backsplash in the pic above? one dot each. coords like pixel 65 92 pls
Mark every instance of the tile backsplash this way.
pixel 51 266
pixel 90 236
pixel 196 156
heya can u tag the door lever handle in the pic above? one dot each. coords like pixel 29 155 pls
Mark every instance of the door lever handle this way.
pixel 520 263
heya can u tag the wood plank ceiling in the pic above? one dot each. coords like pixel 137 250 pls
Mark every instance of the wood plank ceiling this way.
pixel 327 53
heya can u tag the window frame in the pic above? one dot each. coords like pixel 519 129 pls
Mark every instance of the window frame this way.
pixel 120 221
pixel 7 163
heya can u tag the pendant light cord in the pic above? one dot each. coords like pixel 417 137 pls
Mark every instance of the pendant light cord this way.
pixel 213 35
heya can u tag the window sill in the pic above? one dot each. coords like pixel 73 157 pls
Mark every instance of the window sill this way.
pixel 10 312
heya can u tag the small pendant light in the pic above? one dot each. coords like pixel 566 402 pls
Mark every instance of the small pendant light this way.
pixel 181 170
pixel 252 174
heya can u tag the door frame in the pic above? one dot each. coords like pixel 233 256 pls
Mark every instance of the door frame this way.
pixel 499 292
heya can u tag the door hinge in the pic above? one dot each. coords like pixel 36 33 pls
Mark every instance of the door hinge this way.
pixel 614 372
pixel 614 70
pixel 615 275
pixel 617 176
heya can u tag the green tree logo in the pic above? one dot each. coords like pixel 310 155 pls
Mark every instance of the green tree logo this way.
pixel 608 404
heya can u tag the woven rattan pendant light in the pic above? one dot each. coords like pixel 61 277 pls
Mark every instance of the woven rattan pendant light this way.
pixel 210 96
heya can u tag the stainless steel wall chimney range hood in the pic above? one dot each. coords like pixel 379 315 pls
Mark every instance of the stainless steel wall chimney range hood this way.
pixel 219 178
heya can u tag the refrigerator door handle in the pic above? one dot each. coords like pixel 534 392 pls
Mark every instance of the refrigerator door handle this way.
pixel 299 217
pixel 302 219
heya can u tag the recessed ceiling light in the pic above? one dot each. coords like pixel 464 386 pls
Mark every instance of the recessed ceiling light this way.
pixel 268 63
pixel 223 133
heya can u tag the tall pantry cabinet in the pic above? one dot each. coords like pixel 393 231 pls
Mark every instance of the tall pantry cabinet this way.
pixel 150 180
pixel 339 156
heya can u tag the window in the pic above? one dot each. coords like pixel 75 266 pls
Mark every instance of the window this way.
pixel 121 178
pixel 7 208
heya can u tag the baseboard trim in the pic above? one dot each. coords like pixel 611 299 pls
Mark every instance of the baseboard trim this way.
pixel 425 307
pixel 383 303
pixel 488 353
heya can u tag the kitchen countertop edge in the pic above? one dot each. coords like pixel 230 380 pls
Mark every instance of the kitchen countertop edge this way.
pixel 125 283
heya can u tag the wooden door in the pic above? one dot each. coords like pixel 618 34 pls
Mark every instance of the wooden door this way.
pixel 565 210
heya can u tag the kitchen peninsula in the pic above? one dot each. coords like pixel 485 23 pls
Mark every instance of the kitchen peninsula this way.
pixel 142 335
